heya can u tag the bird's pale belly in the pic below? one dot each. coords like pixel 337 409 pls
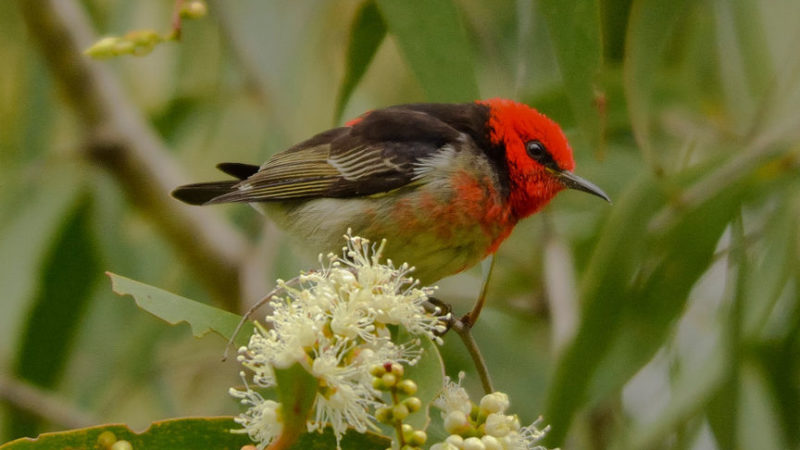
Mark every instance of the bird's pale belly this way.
pixel 438 236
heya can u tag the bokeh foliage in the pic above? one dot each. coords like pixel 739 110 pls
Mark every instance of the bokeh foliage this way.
pixel 667 320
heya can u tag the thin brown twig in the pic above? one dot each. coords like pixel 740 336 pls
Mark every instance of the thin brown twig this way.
pixel 246 316
pixel 177 20
pixel 464 329
pixel 465 333
pixel 471 318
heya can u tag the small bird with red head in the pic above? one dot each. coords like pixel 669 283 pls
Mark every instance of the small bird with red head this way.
pixel 445 184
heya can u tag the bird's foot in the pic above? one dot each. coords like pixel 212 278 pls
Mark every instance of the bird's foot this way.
pixel 442 310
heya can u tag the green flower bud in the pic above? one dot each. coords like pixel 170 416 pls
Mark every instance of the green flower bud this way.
pixel 389 380
pixel 143 41
pixel 194 10
pixel 103 49
pixel 418 437
pixel 384 414
pixel 122 445
pixel 408 387
pixel 143 37
pixel 123 47
pixel 397 370
pixel 413 404
pixel 106 439
pixel 377 370
pixel 400 412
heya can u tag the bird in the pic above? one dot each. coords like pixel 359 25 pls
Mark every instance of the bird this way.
pixel 443 183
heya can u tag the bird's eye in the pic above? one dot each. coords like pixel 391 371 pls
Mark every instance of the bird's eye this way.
pixel 536 150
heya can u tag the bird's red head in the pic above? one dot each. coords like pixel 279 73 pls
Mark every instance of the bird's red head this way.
pixel 536 151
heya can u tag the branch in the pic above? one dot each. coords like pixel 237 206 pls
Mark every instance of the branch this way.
pixel 122 142
pixel 44 404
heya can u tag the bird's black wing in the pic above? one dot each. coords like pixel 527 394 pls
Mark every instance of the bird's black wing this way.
pixel 377 153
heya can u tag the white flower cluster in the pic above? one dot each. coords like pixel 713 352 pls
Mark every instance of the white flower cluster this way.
pixel 484 426
pixel 335 325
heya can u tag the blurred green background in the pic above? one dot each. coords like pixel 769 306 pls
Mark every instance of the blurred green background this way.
pixel 669 319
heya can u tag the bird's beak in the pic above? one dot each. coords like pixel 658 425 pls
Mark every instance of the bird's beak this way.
pixel 571 181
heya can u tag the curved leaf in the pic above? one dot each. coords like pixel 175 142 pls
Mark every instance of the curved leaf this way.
pixel 603 294
pixel 691 392
pixel 31 216
pixel 366 35
pixel 175 309
pixel 199 433
pixel 632 297
pixel 649 28
pixel 67 278
pixel 186 433
pixel 435 45
pixel 574 28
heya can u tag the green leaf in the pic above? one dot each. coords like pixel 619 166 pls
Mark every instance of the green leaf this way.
pixel 433 40
pixel 192 433
pixel 428 373
pixel 649 28
pixel 759 425
pixel 297 390
pixel 574 28
pixel 679 255
pixel 186 434
pixel 67 278
pixel 780 367
pixel 637 284
pixel 723 412
pixel 530 353
pixel 770 275
pixel 690 393
pixel 750 32
pixel 31 216
pixel 604 290
pixel 732 79
pixel 351 440
pixel 654 303
pixel 366 35
pixel 175 309
pixel 615 14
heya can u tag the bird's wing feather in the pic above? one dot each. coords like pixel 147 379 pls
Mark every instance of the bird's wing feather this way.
pixel 379 153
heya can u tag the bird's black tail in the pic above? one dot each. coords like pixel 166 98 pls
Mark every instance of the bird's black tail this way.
pixel 202 193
